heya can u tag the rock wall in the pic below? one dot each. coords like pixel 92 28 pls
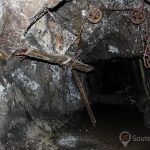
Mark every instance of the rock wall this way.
pixel 38 98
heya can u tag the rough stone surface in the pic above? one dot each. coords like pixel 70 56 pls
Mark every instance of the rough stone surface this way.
pixel 114 36
pixel 36 98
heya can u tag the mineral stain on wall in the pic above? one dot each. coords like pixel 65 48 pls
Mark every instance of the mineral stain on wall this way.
pixel 39 100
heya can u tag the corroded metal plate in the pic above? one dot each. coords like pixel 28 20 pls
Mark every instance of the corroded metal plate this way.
pixel 137 16
pixel 95 15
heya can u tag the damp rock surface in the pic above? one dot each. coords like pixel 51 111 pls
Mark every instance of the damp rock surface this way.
pixel 38 99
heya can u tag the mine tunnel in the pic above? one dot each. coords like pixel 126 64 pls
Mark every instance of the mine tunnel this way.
pixel 117 89
pixel 74 75
pixel 119 76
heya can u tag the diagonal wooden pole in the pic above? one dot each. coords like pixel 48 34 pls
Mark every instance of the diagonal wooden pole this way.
pixel 62 60
pixel 59 59
pixel 84 97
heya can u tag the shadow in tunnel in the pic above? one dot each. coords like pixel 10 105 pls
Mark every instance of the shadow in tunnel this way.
pixel 118 99
pixel 116 90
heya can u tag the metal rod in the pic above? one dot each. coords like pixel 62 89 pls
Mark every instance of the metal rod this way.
pixel 116 9
pixel 144 79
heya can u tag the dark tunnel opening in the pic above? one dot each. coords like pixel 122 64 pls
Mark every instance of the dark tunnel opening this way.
pixel 117 92
pixel 110 77
pixel 116 82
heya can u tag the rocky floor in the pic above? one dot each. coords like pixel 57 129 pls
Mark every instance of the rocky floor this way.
pixel 111 121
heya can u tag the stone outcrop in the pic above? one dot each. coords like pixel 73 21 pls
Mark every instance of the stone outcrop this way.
pixel 36 98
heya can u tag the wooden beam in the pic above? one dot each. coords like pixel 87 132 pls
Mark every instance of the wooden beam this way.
pixel 84 97
pixel 54 58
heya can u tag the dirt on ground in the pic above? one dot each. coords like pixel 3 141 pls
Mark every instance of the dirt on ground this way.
pixel 111 122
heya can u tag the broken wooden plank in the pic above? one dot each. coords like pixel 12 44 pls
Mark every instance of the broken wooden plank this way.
pixel 84 97
pixel 59 59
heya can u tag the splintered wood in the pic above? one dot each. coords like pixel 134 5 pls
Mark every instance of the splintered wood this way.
pixel 84 97
pixel 55 59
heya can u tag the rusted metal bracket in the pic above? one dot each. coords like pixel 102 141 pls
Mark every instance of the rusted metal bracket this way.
pixel 137 16
pixel 146 57
pixel 55 59
pixel 94 15
pixel 84 97
pixel 39 15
